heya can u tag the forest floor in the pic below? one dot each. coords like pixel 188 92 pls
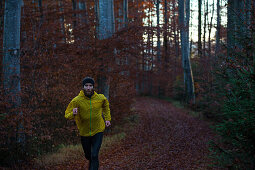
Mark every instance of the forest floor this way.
pixel 164 137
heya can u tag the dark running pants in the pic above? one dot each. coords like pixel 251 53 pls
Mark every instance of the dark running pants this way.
pixel 91 146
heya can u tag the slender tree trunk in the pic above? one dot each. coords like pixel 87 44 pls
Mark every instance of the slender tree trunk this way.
pixel 158 32
pixel 1 29
pixel 165 35
pixel 151 55
pixel 125 13
pixel 210 30
pixel 120 24
pixel 205 25
pixel 191 41
pixel 175 40
pixel 83 15
pixel 175 33
pixel 253 51
pixel 199 29
pixel 1 12
pixel 11 61
pixel 41 12
pixel 74 2
pixel 240 20
pixel 210 75
pixel 142 80
pixel 184 27
pixel 158 44
pixel 60 5
pixel 217 46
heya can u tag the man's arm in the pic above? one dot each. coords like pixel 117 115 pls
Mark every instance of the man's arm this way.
pixel 106 112
pixel 71 110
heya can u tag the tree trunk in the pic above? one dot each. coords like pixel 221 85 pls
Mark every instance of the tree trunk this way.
pixel 83 16
pixel 158 45
pixel 230 26
pixel 184 28
pixel 1 12
pixel 165 35
pixel 106 28
pixel 210 75
pixel 1 29
pixel 210 30
pixel 125 13
pixel 205 24
pixel 74 2
pixel 106 19
pixel 241 25
pixel 175 34
pixel 191 41
pixel 217 46
pixel 199 29
pixel 158 33
pixel 11 61
pixel 61 10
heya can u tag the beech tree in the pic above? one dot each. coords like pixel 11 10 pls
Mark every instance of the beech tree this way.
pixel 11 63
pixel 206 6
pixel 125 13
pixel 210 30
pixel 158 31
pixel 199 28
pixel 184 14
pixel 106 28
pixel 217 45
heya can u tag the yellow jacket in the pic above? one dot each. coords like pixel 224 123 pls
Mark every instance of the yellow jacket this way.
pixel 89 119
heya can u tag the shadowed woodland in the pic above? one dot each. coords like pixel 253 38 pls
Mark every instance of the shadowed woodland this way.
pixel 145 56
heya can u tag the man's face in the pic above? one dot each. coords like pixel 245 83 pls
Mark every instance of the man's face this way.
pixel 88 88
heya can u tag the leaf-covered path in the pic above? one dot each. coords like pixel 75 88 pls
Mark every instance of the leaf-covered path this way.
pixel 165 137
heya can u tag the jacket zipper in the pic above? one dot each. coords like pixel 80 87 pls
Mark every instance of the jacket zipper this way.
pixel 90 118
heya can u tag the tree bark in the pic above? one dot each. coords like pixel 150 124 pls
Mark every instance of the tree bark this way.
pixel 11 61
pixel 74 2
pixel 205 25
pixel 83 15
pixel 61 10
pixel 106 19
pixel 210 30
pixel 217 45
pixel 158 32
pixel 165 35
pixel 230 26
pixel 125 13
pixel 184 28
pixel 199 29
pixel 106 28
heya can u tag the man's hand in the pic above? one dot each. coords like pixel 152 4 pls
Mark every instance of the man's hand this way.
pixel 75 111
pixel 107 123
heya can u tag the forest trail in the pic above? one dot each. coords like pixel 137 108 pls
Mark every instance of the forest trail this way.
pixel 165 137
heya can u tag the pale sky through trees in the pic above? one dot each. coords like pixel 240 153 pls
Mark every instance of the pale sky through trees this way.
pixel 194 18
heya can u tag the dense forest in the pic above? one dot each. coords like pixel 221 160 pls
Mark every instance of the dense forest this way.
pixel 201 53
